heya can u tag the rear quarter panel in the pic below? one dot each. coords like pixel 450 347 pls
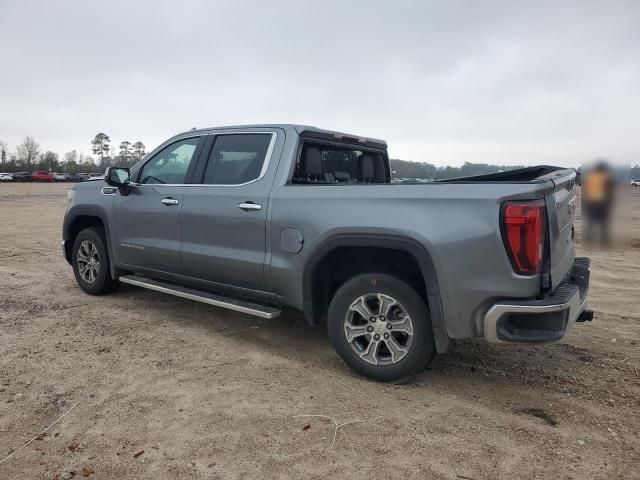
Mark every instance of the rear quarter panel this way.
pixel 458 224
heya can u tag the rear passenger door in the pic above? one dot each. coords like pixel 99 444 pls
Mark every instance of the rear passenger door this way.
pixel 224 220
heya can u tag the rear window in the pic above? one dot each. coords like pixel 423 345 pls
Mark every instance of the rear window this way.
pixel 337 164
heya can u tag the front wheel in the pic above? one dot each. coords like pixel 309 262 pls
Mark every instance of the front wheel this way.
pixel 90 260
pixel 381 327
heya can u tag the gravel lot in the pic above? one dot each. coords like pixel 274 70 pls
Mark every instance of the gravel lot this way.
pixel 161 387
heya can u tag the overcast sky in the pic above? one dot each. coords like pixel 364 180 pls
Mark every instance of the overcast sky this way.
pixel 442 81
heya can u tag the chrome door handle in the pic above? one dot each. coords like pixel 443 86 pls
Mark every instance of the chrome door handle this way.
pixel 170 201
pixel 249 206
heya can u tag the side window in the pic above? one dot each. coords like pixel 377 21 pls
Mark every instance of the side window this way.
pixel 236 159
pixel 170 165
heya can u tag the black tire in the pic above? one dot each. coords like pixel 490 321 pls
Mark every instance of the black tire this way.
pixel 103 282
pixel 422 348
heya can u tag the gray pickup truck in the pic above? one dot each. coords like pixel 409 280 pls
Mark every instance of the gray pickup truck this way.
pixel 257 218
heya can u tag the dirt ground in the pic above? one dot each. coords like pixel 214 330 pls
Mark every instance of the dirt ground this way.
pixel 156 387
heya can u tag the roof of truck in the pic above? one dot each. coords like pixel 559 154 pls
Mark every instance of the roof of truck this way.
pixel 300 129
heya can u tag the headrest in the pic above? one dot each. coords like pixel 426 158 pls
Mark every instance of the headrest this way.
pixel 312 161
pixel 368 169
pixel 380 175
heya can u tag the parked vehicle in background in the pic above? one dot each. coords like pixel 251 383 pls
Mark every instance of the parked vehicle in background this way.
pixel 82 177
pixel 95 176
pixel 66 177
pixel 6 177
pixel 635 183
pixel 22 177
pixel 257 218
pixel 41 176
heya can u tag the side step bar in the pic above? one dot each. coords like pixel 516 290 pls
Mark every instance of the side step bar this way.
pixel 249 308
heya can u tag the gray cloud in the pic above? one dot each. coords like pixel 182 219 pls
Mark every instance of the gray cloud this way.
pixel 441 81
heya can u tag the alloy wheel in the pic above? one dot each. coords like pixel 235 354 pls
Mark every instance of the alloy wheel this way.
pixel 88 261
pixel 379 329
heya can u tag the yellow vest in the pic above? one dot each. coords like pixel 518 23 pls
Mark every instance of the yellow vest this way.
pixel 594 186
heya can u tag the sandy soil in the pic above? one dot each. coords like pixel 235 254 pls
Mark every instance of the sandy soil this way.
pixel 207 393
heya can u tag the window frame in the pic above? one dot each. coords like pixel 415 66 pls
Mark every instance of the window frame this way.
pixel 192 165
pixel 204 162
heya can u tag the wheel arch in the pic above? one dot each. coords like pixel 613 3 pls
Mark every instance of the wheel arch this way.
pixel 77 220
pixel 313 300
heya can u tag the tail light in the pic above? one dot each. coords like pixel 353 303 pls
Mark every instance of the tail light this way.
pixel 523 232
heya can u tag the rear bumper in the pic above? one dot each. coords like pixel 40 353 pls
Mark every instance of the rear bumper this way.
pixel 540 320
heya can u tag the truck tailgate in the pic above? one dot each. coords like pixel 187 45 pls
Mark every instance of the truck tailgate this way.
pixel 561 212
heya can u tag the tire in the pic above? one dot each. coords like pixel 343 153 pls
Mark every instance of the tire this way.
pixel 90 261
pixel 408 344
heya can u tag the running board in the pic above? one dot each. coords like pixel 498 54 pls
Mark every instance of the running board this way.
pixel 242 306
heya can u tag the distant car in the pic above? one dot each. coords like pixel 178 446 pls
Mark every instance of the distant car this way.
pixel 41 176
pixel 635 183
pixel 82 177
pixel 94 176
pixel 6 177
pixel 22 177
pixel 72 177
pixel 66 177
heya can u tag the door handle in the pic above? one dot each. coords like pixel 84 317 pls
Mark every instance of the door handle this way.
pixel 169 201
pixel 249 206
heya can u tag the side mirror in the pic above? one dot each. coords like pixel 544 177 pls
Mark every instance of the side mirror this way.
pixel 117 176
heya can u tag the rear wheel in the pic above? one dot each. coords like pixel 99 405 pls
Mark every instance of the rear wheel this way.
pixel 381 327
pixel 90 260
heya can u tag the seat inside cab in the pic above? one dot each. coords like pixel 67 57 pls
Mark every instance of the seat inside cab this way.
pixel 335 164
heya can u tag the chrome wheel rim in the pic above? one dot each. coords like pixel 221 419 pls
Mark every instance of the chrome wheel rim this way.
pixel 88 261
pixel 378 329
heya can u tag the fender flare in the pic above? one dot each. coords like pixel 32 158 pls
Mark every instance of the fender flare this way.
pixel 82 211
pixel 408 245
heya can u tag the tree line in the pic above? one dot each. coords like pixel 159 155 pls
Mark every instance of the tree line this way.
pixel 407 169
pixel 29 157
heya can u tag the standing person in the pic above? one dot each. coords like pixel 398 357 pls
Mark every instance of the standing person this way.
pixel 597 202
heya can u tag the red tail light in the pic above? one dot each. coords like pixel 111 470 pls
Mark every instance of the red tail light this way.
pixel 523 231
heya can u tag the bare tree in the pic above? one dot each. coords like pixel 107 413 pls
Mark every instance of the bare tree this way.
pixel 48 161
pixel 87 163
pixel 71 161
pixel 4 149
pixel 71 156
pixel 28 151
pixel 100 146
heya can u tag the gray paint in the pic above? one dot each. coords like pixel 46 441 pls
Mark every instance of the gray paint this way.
pixel 291 240
pixel 208 241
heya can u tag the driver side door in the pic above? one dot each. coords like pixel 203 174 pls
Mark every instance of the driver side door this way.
pixel 148 230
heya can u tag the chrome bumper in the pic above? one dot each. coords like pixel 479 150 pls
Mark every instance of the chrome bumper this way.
pixel 540 320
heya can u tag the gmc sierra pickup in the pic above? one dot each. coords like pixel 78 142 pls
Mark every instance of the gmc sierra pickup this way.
pixel 256 218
